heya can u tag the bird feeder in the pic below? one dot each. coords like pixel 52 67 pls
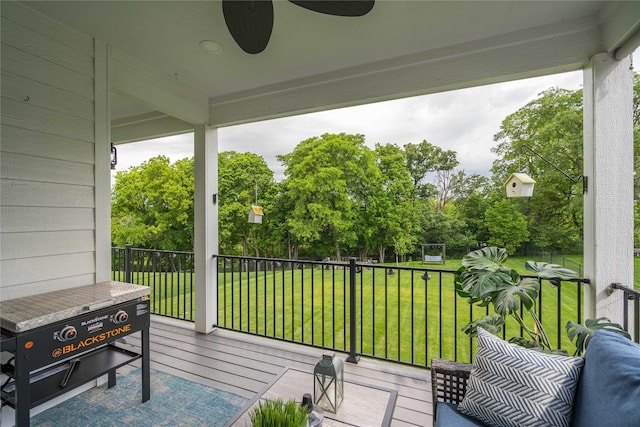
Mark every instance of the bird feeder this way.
pixel 255 214
pixel 519 185
pixel 328 383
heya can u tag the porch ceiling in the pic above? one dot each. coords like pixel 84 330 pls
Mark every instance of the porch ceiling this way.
pixel 315 62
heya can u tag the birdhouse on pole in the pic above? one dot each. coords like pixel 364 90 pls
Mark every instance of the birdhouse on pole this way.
pixel 519 185
pixel 255 214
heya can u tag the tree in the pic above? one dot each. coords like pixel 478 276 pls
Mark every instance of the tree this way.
pixel 152 205
pixel 244 179
pixel 551 126
pixel 424 158
pixel 507 227
pixel 327 179
pixel 471 210
pixel 390 217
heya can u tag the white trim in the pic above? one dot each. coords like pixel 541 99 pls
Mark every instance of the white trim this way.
pixel 145 126
pixel 608 163
pixel 134 80
pixel 102 167
pixel 565 46
pixel 206 226
pixel 621 22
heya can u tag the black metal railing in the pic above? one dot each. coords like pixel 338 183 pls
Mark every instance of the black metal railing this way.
pixel 169 274
pixel 402 314
pixel 630 304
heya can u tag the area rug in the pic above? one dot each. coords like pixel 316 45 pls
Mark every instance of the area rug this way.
pixel 174 402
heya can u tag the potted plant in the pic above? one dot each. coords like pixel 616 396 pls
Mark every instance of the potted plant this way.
pixel 486 282
pixel 278 413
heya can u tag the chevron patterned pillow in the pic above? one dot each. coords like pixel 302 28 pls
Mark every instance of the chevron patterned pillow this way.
pixel 514 386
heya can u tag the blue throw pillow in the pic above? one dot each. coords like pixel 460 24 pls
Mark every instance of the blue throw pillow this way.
pixel 448 416
pixel 511 386
pixel 609 388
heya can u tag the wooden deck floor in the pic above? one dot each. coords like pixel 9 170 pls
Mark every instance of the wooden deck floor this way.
pixel 245 364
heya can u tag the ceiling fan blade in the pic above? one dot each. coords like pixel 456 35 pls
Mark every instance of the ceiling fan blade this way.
pixel 250 23
pixel 337 7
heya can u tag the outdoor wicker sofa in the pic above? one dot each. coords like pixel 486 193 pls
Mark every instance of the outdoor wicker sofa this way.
pixel 606 390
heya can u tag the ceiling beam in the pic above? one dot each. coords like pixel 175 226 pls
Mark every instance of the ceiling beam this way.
pixel 134 80
pixel 564 47
pixel 147 126
pixel 620 27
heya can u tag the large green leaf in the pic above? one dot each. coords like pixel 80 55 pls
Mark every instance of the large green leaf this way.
pixel 550 271
pixel 584 333
pixel 488 258
pixel 509 297
pixel 492 323
pixel 460 290
pixel 481 284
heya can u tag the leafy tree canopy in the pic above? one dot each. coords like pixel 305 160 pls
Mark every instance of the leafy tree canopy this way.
pixel 152 205
pixel 507 227
pixel 327 179
pixel 550 126
pixel 244 179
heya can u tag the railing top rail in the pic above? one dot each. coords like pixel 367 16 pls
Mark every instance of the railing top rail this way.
pixel 153 250
pixel 552 279
pixel 371 265
pixel 627 290
pixel 333 263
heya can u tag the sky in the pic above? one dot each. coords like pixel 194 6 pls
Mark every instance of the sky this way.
pixel 463 120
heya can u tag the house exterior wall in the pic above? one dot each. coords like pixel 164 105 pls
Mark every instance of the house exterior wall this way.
pixel 47 156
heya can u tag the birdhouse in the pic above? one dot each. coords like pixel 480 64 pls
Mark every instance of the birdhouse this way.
pixel 255 214
pixel 519 185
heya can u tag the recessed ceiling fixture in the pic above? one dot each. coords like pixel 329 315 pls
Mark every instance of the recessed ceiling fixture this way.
pixel 211 46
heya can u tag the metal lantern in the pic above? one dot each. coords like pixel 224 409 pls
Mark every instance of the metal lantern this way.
pixel 328 383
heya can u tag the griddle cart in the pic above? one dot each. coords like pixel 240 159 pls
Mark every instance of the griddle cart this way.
pixel 61 340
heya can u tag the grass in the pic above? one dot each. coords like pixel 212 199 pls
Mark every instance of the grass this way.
pixel 172 294
pixel 401 318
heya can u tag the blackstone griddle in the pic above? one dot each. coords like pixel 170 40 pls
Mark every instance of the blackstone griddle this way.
pixel 60 340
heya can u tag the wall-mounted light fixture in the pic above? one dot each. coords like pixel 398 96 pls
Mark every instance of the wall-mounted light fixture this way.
pixel 521 184
pixel 114 156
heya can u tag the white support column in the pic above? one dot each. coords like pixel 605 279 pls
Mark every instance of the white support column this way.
pixel 608 164
pixel 206 225
pixel 102 165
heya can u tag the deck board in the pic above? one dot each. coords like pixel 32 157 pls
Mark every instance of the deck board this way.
pixel 245 364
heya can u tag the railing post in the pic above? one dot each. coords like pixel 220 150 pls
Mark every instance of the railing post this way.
pixel 353 357
pixel 127 263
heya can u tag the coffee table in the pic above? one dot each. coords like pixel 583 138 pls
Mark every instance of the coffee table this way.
pixel 363 405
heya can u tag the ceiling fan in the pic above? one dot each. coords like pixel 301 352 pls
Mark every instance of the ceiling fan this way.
pixel 250 22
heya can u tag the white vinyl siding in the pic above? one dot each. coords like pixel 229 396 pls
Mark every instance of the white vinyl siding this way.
pixel 47 177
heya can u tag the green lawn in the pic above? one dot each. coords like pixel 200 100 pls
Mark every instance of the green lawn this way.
pixel 399 321
pixel 171 293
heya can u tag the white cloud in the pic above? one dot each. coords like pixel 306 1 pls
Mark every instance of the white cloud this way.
pixel 463 120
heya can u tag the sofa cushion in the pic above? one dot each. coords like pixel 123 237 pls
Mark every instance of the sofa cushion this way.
pixel 510 385
pixel 609 388
pixel 448 416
